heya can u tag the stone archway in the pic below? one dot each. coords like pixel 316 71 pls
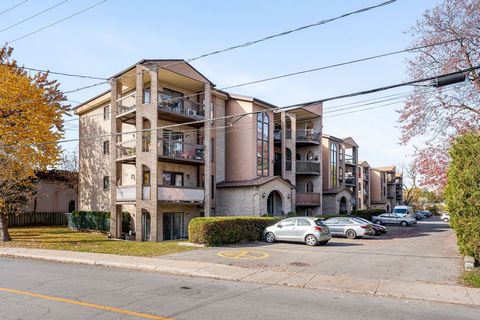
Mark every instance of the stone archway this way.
pixel 275 204
pixel 343 208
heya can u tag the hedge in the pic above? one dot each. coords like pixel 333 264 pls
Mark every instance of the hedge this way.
pixel 216 231
pixel 462 193
pixel 89 220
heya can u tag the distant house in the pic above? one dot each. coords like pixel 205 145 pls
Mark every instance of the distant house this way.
pixel 55 192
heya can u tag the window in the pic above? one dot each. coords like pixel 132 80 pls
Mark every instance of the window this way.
pixel 212 156
pixel 309 186
pixel 106 182
pixel 288 162
pixel 288 222
pixel 172 143
pixel 333 164
pixel 263 148
pixel 106 112
pixel 212 187
pixel 71 205
pixel 106 147
pixel 173 179
pixel 303 223
pixel 146 95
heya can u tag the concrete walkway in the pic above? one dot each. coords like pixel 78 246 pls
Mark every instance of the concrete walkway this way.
pixel 344 283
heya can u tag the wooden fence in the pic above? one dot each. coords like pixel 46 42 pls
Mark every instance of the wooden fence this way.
pixel 37 219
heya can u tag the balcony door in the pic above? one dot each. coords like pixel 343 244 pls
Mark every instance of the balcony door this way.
pixel 172 143
pixel 174 226
pixel 172 100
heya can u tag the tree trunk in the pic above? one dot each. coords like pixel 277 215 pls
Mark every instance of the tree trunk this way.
pixel 4 235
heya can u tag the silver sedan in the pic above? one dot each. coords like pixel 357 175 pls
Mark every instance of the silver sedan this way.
pixel 390 218
pixel 350 228
pixel 310 230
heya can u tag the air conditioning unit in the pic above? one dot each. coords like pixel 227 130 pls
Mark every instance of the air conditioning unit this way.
pixel 191 112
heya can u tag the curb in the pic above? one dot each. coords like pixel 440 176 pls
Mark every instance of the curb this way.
pixel 339 283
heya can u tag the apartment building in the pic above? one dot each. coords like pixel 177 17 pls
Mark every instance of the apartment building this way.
pixel 340 178
pixel 385 187
pixel 162 162
pixel 399 189
pixel 364 199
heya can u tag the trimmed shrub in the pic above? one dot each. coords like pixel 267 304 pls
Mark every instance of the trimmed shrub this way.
pixel 462 193
pixel 89 220
pixel 216 231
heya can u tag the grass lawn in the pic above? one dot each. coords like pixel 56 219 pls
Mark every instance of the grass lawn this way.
pixel 471 278
pixel 61 238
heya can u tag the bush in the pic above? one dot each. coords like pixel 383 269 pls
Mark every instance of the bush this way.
pixel 216 231
pixel 89 220
pixel 462 193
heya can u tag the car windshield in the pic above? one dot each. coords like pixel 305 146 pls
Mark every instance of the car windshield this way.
pixel 319 222
pixel 399 210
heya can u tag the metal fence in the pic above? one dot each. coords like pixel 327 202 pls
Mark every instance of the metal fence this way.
pixel 37 219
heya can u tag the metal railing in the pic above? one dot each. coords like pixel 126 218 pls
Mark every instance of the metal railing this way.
pixel 180 149
pixel 308 135
pixel 126 149
pixel 181 106
pixel 126 103
pixel 307 167
pixel 307 199
pixel 350 181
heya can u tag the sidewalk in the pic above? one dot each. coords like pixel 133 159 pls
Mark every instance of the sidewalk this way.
pixel 342 283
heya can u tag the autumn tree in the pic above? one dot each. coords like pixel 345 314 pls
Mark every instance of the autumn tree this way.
pixel 443 114
pixel 31 111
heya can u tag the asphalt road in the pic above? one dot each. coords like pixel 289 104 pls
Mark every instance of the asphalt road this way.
pixel 426 252
pixel 41 290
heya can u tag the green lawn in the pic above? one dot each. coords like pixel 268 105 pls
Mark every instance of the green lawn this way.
pixel 471 278
pixel 61 238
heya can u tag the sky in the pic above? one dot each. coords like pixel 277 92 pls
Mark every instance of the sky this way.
pixel 117 33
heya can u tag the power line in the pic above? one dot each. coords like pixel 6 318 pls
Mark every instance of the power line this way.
pixel 85 87
pixel 11 8
pixel 31 17
pixel 57 22
pixel 280 109
pixel 55 72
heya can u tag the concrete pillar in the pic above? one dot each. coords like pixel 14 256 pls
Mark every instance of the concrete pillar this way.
pixel 207 147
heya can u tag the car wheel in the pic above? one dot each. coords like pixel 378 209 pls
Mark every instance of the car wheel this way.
pixel 311 240
pixel 270 237
pixel 324 242
pixel 378 222
pixel 404 223
pixel 351 234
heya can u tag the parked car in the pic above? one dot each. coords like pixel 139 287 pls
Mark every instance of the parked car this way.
pixel 310 230
pixel 391 218
pixel 403 211
pixel 348 227
pixel 377 229
pixel 427 213
pixel 445 217
pixel 418 216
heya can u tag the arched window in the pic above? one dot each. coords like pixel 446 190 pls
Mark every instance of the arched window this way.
pixel 309 186
pixel 333 164
pixel 288 160
pixel 309 156
pixel 298 157
pixel 263 146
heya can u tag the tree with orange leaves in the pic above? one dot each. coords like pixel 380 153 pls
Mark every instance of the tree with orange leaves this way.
pixel 31 111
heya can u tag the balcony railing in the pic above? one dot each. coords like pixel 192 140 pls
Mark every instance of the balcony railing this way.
pixel 126 149
pixel 277 134
pixel 126 103
pixel 308 136
pixel 350 181
pixel 181 106
pixel 349 159
pixel 126 193
pixel 180 150
pixel 180 194
pixel 307 167
pixel 307 199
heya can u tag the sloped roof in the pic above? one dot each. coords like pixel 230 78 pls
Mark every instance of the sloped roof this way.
pixel 387 168
pixel 363 163
pixel 250 183
pixel 350 141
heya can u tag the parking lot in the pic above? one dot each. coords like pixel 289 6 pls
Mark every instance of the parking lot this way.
pixel 426 252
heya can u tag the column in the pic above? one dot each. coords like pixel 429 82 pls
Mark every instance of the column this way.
pixel 207 149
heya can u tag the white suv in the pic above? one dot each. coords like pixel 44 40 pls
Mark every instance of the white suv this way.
pixel 403 211
pixel 445 217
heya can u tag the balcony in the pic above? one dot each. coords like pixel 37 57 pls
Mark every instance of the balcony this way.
pixel 126 150
pixel 308 167
pixel 181 194
pixel 365 177
pixel 179 108
pixel 307 199
pixel 307 137
pixel 350 181
pixel 126 193
pixel 349 159
pixel 277 135
pixel 180 152
pixel 126 107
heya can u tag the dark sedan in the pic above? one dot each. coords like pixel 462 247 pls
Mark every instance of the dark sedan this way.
pixel 377 229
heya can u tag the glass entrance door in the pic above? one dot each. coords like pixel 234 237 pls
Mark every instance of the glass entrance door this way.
pixel 174 226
